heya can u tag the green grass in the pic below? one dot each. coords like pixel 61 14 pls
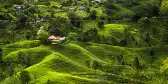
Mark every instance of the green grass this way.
pixel 37 54
pixel 24 44
pixel 86 25
pixel 20 45
pixel 68 63
pixel 112 29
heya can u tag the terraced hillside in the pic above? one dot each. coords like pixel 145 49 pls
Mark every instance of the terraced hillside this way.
pixel 105 41
pixel 81 63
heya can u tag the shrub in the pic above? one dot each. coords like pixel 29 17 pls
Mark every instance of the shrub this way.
pixel 151 52
pixel 135 18
pixel 48 81
pixel 24 59
pixel 1 52
pixel 43 35
pixel 93 14
pixel 7 42
pixel 25 77
pixel 101 24
pixel 88 63
pixel 11 70
pixel 151 55
pixel 136 63
pixel 120 59
pixel 96 65
pixel 75 19
pixel 123 42
pixel 58 26
pixel 28 35
pixel 90 35
pixel 73 36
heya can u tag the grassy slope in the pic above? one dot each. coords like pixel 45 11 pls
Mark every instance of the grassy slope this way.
pixel 109 28
pixel 68 63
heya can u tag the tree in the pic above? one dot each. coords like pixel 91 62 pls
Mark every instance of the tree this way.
pixel 11 70
pixel 123 42
pixel 1 55
pixel 96 65
pixel 93 14
pixel 128 37
pixel 28 35
pixel 135 18
pixel 59 25
pixel 151 56
pixel 48 82
pixel 75 20
pixel 147 38
pixel 164 38
pixel 120 59
pixel 101 24
pixel 144 26
pixel 25 77
pixel 90 35
pixel 88 62
pixel 43 34
pixel 22 21
pixel 25 59
pixel 136 63
pixel 73 36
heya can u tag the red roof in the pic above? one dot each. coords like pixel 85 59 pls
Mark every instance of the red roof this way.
pixel 54 37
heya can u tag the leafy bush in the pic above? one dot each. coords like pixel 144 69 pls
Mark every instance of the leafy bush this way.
pixel 101 24
pixel 43 35
pixel 96 65
pixel 24 59
pixel 120 59
pixel 75 19
pixel 136 63
pixel 93 14
pixel 90 35
pixel 88 63
pixel 1 52
pixel 58 26
pixel 73 36
pixel 25 77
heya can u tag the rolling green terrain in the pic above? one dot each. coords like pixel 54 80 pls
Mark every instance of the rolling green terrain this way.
pixel 84 63
pixel 107 42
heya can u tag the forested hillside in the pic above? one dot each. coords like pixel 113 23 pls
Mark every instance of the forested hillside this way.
pixel 83 41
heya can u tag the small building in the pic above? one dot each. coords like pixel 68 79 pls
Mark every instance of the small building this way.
pixel 54 37
pixel 57 39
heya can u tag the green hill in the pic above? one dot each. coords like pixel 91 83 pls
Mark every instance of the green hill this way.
pixel 107 42
pixel 84 63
